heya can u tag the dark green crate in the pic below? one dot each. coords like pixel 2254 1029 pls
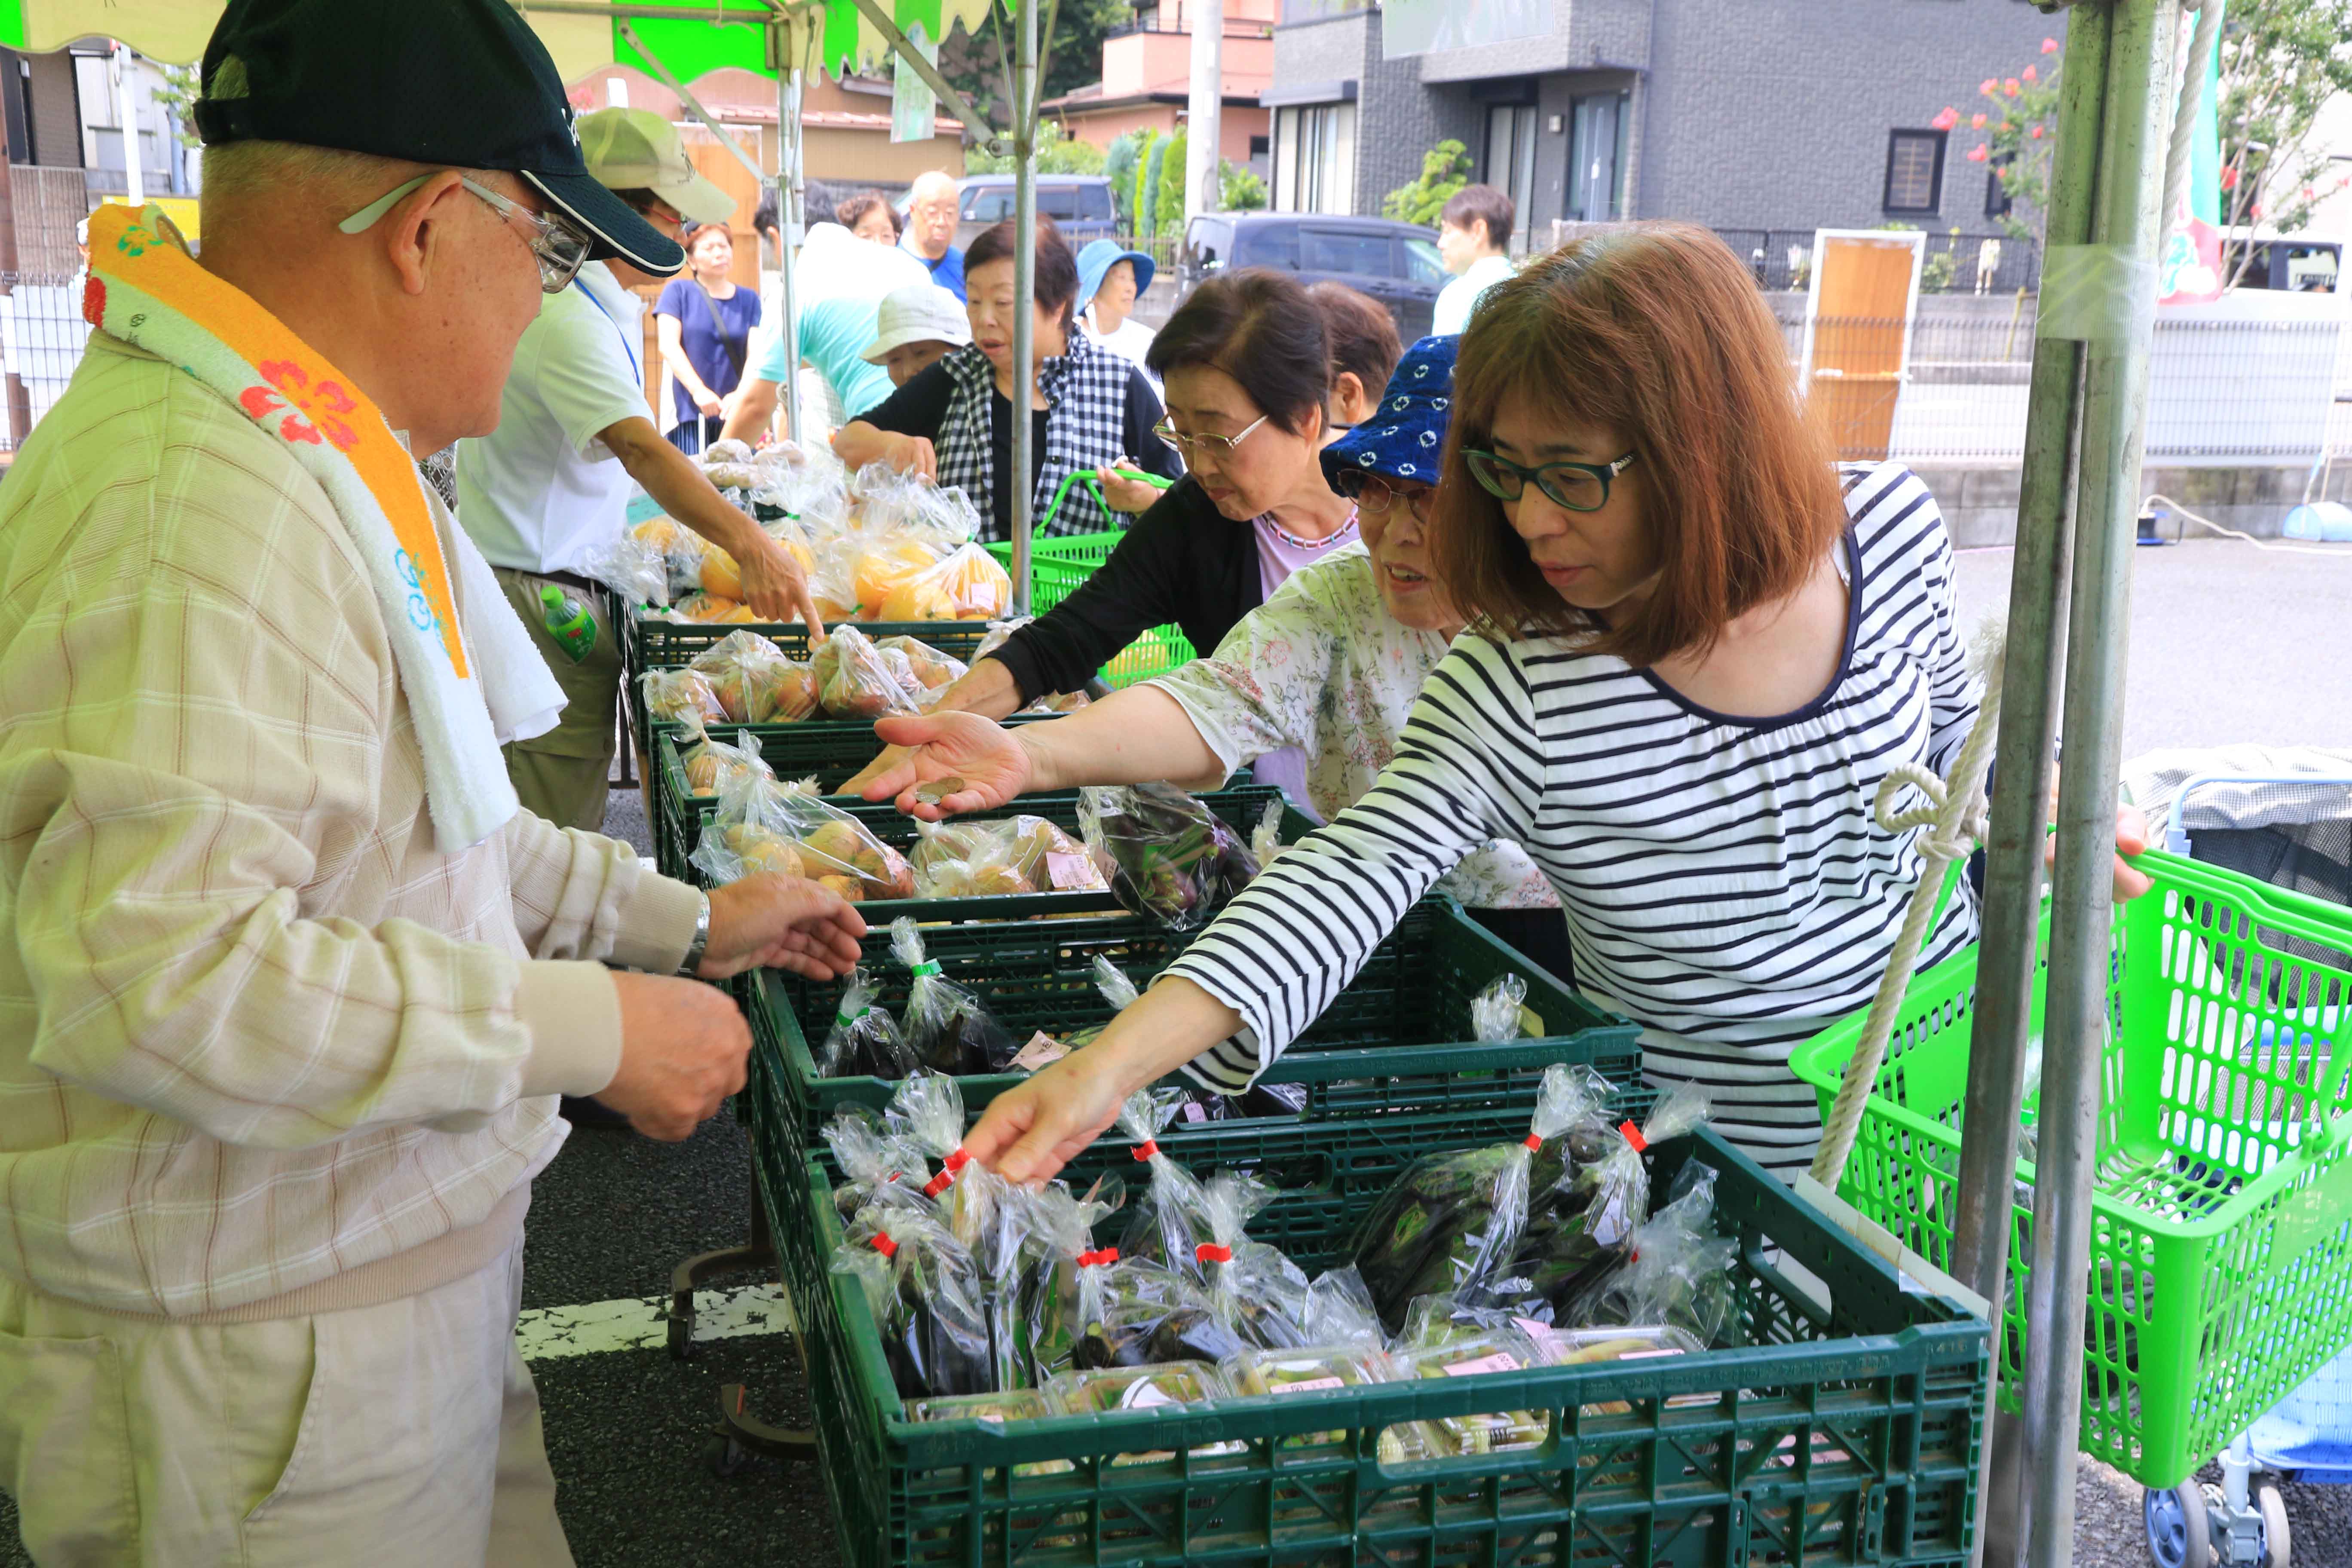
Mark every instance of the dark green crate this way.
pixel 1390 1041
pixel 1844 1432
pixel 831 751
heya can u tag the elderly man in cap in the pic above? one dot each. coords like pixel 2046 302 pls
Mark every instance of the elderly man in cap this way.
pixel 292 985
pixel 551 486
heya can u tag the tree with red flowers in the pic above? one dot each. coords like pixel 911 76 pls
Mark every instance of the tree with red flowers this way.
pixel 2015 130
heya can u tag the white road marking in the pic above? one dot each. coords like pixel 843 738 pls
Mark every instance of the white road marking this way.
pixel 641 1322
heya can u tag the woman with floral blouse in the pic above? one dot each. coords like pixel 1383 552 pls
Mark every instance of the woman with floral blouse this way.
pixel 1332 664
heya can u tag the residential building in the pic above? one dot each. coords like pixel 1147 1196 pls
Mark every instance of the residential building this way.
pixel 1764 115
pixel 1147 74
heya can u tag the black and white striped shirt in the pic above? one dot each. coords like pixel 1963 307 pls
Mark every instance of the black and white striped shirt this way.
pixel 1725 881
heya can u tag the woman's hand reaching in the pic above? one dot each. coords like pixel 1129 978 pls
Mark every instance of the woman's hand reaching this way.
pixel 988 761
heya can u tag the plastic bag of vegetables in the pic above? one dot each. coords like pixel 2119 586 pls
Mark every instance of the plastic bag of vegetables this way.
pixel 755 683
pixel 1167 855
pixel 1169 1222
pixel 1260 1294
pixel 1495 1011
pixel 924 1293
pixel 864 1041
pixel 1677 1270
pixel 1452 1223
pixel 748 832
pixel 1142 1313
pixel 933 670
pixel 855 681
pixel 837 850
pixel 969 858
pixel 965 584
pixel 713 767
pixel 1438 1345
pixel 630 568
pixel 1108 1392
pixel 680 696
pixel 1344 1348
pixel 879 1164
pixel 1046 1315
pixel 946 1027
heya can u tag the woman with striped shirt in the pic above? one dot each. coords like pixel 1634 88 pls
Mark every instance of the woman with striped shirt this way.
pixel 1697 648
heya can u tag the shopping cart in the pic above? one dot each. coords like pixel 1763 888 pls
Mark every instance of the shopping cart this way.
pixel 2285 818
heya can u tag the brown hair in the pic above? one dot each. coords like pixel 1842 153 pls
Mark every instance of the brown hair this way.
pixel 849 209
pixel 1483 204
pixel 1656 331
pixel 1363 335
pixel 1056 281
pixel 1262 329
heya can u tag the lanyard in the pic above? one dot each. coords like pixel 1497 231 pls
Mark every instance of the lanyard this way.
pixel 626 347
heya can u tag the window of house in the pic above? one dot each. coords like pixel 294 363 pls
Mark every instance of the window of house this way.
pixel 1996 192
pixel 1914 171
pixel 1315 158
pixel 1260 146
pixel 1510 163
pixel 1596 157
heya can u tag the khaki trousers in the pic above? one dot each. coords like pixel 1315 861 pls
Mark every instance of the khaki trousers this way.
pixel 563 776
pixel 400 1434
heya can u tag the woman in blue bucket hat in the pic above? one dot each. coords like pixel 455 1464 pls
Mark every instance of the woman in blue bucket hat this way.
pixel 1332 664
pixel 1111 281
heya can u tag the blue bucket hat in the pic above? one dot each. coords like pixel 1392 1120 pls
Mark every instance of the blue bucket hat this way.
pixel 1098 258
pixel 1404 436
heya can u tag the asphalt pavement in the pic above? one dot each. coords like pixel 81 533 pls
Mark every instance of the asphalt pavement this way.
pixel 2229 643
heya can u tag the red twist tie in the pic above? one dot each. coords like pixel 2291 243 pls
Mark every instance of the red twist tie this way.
pixel 884 1246
pixel 1098 1256
pixel 1209 1252
pixel 1633 1136
pixel 958 1159
pixel 1145 1150
pixel 939 1184
pixel 1533 1140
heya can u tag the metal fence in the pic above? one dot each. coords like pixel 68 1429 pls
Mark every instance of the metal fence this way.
pixel 41 336
pixel 2220 392
pixel 1954 262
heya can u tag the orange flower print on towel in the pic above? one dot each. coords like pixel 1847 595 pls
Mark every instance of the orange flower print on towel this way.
pixel 322 402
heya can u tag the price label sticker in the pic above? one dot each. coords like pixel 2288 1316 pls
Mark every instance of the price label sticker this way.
pixel 1042 1050
pixel 1310 1384
pixel 1501 1360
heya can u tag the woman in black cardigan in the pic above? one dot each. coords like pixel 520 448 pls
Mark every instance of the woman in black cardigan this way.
pixel 1249 363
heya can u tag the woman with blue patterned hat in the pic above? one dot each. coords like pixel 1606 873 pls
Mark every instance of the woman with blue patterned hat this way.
pixel 1332 664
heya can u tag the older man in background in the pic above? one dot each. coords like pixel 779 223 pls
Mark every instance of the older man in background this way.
pixel 292 986
pixel 933 208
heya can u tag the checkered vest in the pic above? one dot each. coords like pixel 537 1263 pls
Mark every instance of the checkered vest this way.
pixel 1086 429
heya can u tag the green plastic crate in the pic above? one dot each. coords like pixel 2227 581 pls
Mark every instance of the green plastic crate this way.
pixel 830 750
pixel 1843 1432
pixel 1056 566
pixel 2222 1251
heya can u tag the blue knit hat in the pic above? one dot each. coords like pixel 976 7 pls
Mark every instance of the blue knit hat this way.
pixel 1404 436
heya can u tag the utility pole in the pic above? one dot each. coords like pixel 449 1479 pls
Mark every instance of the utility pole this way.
pixel 1203 191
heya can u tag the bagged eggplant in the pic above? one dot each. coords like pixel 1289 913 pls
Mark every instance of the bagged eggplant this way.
pixel 1046 1315
pixel 1142 1313
pixel 1495 1011
pixel 1614 1190
pixel 681 697
pixel 1258 1293
pixel 879 1164
pixel 837 850
pixel 632 569
pixel 925 1292
pixel 1169 1222
pixel 1165 854
pixel 854 680
pixel 864 1041
pixel 946 1026
pixel 1453 1224
pixel 1677 1271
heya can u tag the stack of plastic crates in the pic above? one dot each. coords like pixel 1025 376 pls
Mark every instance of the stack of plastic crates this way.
pixel 2221 1264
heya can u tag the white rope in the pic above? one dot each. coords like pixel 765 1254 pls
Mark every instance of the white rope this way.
pixel 2338 554
pixel 1954 817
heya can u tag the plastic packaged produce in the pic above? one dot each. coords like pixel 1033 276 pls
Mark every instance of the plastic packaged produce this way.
pixel 1257 1292
pixel 1613 1189
pixel 1677 1270
pixel 712 767
pixel 1167 855
pixel 1452 1350
pixel 680 696
pixel 1138 1312
pixel 1012 1405
pixel 635 570
pixel 1495 1011
pixel 946 1025
pixel 879 1164
pixel 839 851
pixel 933 670
pixel 924 1293
pixel 1169 1222
pixel 709 610
pixel 729 466
pixel 976 857
pixel 966 585
pixel 1119 1389
pixel 681 550
pixel 854 680
pixel 745 832
pixel 1058 1247
pixel 755 683
pixel 1265 839
pixel 1452 1223
pixel 864 1041
pixel 1306 1370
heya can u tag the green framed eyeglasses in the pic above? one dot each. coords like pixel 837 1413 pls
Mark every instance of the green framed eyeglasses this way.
pixel 1579 487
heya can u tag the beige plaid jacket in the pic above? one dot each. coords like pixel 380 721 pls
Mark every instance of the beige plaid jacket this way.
pixel 264 1048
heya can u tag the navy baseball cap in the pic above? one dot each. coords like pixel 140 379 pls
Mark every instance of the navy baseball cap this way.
pixel 1405 435
pixel 461 83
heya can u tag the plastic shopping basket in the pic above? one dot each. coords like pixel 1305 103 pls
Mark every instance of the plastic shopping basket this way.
pixel 1840 1431
pixel 2222 1262
pixel 1056 567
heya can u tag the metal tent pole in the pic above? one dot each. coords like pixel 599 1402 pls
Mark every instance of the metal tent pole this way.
pixel 790 227
pixel 2029 709
pixel 1025 292
pixel 2112 311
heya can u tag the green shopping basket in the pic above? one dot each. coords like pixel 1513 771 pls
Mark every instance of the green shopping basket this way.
pixel 1056 567
pixel 2222 1247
